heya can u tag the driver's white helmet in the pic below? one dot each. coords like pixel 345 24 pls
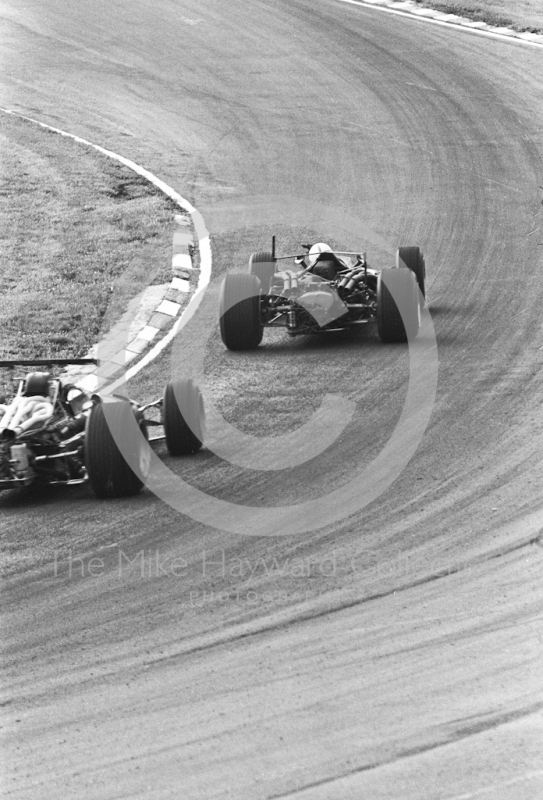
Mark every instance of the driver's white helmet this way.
pixel 316 250
pixel 76 398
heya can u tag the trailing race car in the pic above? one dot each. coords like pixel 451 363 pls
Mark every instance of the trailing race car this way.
pixel 55 433
pixel 324 290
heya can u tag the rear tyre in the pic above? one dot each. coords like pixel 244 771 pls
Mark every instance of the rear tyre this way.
pixel 241 323
pixel 413 259
pixel 263 265
pixel 183 417
pixel 398 313
pixel 109 474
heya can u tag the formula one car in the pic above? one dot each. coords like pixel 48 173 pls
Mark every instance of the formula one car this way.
pixel 55 433
pixel 324 290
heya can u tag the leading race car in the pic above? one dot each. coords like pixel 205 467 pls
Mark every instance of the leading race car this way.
pixel 324 290
pixel 54 433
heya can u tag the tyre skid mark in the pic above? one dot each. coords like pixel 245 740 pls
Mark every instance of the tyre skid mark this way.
pixel 456 736
pixel 279 623
pixel 311 615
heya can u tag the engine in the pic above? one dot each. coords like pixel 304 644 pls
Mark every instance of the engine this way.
pixel 324 305
pixel 309 302
pixel 24 413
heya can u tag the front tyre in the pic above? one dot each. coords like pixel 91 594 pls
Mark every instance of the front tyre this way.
pixel 183 417
pixel 398 313
pixel 413 259
pixel 109 473
pixel 241 323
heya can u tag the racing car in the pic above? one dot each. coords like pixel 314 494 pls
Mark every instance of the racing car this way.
pixel 323 290
pixel 54 433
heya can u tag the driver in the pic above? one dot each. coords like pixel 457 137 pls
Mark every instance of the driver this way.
pixel 323 262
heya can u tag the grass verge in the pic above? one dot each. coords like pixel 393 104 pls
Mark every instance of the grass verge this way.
pixel 80 236
pixel 520 15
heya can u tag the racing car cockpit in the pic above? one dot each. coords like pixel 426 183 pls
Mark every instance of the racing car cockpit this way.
pixel 71 397
pixel 323 262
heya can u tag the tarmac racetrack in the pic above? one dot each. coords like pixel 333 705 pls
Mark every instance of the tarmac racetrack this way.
pixel 397 652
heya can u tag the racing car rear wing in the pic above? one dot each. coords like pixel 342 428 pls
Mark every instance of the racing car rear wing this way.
pixel 47 362
pixel 303 255
pixel 275 257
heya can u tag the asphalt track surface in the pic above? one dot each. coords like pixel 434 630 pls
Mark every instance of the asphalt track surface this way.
pixel 407 663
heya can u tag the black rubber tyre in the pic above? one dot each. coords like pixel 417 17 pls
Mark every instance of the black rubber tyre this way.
pixel 397 305
pixel 37 383
pixel 183 417
pixel 263 265
pixel 109 474
pixel 413 259
pixel 241 323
